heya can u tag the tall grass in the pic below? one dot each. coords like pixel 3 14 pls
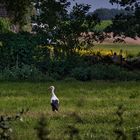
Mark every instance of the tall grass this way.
pixel 89 107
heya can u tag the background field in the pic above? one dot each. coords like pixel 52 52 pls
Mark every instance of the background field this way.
pixel 89 106
pixel 104 24
pixel 127 49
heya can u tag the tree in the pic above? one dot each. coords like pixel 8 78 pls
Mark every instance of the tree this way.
pixel 50 12
pixel 78 22
pixel 127 25
pixel 109 14
pixel 19 11
pixel 124 2
pixel 65 29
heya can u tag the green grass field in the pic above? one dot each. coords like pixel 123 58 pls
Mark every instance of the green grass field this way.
pixel 94 103
pixel 127 49
pixel 104 24
pixel 105 49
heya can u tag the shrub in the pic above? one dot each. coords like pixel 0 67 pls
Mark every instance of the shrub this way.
pixel 16 49
pixel 82 73
pixel 4 25
pixel 134 63
pixel 26 72
pixel 59 69
pixel 97 71
pixel 104 72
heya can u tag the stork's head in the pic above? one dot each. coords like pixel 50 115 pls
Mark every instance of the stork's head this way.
pixel 52 88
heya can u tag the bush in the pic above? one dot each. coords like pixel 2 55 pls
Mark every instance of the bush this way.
pixel 16 49
pixel 4 25
pixel 82 73
pixel 134 63
pixel 26 72
pixel 60 69
pixel 104 72
pixel 112 72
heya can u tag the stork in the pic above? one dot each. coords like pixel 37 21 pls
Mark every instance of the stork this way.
pixel 54 99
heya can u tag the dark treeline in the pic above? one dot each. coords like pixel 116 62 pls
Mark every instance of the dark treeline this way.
pixel 109 14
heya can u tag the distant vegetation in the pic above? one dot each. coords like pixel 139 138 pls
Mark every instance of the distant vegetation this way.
pixel 60 44
pixel 108 14
pixel 22 58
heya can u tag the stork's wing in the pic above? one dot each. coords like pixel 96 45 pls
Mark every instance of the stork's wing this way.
pixel 55 105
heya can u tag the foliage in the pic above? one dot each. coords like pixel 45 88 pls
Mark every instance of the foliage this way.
pixel 82 73
pixel 124 2
pixel 109 14
pixel 63 68
pixel 4 25
pixel 71 29
pixel 16 49
pixel 54 49
pixel 25 56
pixel 64 28
pixel 51 12
pixel 26 73
pixel 103 72
pixel 19 11
pixel 58 69
pixel 134 63
pixel 127 25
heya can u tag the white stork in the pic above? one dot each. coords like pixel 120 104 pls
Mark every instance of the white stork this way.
pixel 54 99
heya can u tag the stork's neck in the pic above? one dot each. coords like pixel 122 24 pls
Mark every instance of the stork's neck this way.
pixel 53 94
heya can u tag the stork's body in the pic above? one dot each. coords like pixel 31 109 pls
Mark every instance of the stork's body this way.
pixel 54 100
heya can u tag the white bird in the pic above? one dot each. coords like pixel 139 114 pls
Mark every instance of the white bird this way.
pixel 54 99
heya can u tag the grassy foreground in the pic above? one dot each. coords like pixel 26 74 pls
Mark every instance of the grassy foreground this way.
pixel 94 104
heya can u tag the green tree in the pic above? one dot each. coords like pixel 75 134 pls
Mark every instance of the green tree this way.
pixel 71 30
pixel 16 49
pixel 127 25
pixel 19 11
pixel 108 14
pixel 64 28
pixel 50 12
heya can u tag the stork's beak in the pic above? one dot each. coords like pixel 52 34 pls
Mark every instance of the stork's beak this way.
pixel 49 88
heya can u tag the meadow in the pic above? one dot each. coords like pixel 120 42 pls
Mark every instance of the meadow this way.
pixel 104 24
pixel 131 49
pixel 105 49
pixel 90 107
